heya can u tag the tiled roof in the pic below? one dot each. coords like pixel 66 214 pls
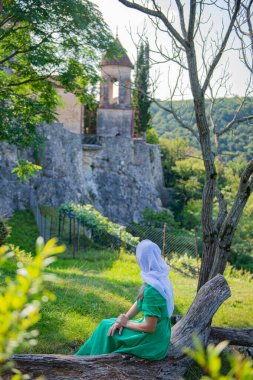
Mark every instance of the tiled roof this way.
pixel 122 61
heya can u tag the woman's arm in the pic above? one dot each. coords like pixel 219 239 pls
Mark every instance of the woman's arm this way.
pixel 123 319
pixel 132 311
pixel 148 326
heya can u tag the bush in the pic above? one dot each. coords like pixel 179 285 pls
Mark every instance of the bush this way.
pixel 102 229
pixel 21 298
pixel 152 136
pixel 4 232
pixel 209 359
pixel 157 219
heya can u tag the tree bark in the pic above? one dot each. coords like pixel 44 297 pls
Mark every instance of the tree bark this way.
pixel 115 366
pixel 238 337
pixel 230 224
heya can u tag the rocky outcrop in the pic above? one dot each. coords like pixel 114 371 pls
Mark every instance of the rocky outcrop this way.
pixel 13 194
pixel 121 177
pixel 124 178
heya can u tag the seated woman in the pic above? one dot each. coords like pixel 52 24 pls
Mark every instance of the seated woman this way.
pixel 146 337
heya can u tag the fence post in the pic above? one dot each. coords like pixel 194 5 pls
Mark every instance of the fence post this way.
pixel 164 240
pixel 70 230
pixel 78 235
pixel 74 238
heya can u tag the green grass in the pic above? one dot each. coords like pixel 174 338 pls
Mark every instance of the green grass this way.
pixel 24 230
pixel 102 284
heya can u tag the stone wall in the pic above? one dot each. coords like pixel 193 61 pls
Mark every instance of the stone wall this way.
pixel 114 122
pixel 124 178
pixel 13 194
pixel 60 180
pixel 120 178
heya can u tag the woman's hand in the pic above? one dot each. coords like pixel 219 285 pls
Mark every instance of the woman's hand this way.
pixel 114 327
pixel 122 320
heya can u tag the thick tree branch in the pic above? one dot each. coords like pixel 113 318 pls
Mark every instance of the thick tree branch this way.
pixel 192 18
pixel 222 46
pixel 239 337
pixel 222 209
pixel 230 223
pixel 181 16
pixel 159 15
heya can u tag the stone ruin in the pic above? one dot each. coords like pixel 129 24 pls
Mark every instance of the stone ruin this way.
pixel 110 168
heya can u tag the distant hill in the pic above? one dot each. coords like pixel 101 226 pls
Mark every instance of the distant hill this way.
pixel 238 141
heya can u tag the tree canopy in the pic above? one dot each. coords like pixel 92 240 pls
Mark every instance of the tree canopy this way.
pixel 40 42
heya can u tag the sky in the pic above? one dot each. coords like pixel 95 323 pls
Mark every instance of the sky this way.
pixel 122 19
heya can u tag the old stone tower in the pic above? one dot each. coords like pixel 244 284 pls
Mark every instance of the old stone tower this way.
pixel 115 114
pixel 124 173
pixel 118 173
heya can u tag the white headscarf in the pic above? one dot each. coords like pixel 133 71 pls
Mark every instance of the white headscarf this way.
pixel 154 270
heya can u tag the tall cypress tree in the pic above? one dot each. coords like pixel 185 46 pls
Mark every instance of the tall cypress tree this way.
pixel 141 100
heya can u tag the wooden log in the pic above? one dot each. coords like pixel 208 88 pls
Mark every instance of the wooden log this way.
pixel 197 319
pixel 238 337
pixel 118 366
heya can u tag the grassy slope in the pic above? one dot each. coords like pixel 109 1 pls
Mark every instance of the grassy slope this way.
pixel 103 284
pixel 24 230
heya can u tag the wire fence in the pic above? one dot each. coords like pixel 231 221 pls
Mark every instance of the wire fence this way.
pixel 178 247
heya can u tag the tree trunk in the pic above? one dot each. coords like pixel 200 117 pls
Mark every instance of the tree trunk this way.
pixel 120 366
pixel 207 223
pixel 230 224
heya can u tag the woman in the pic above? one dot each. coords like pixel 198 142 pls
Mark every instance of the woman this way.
pixel 146 337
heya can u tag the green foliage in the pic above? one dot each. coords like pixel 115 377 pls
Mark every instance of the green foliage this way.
pixel 238 141
pixel 151 136
pixel 210 361
pixel 172 151
pixel 21 298
pixel 190 265
pixel 41 42
pixel 140 100
pixel 99 225
pixel 4 231
pixel 157 219
pixel 25 169
pixel 184 174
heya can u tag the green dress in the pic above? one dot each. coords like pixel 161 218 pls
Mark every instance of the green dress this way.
pixel 152 346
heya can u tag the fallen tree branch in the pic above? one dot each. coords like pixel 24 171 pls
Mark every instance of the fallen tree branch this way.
pixel 238 337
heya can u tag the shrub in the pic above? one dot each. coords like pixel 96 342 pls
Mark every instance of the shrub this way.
pixel 152 136
pixel 4 232
pixel 209 360
pixel 21 298
pixel 102 229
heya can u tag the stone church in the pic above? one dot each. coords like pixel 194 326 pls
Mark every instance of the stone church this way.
pixel 105 165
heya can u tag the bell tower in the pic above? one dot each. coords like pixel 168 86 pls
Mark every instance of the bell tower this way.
pixel 115 113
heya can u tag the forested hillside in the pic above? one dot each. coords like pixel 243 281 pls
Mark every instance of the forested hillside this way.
pixel 238 140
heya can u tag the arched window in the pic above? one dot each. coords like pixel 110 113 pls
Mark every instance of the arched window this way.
pixel 114 92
